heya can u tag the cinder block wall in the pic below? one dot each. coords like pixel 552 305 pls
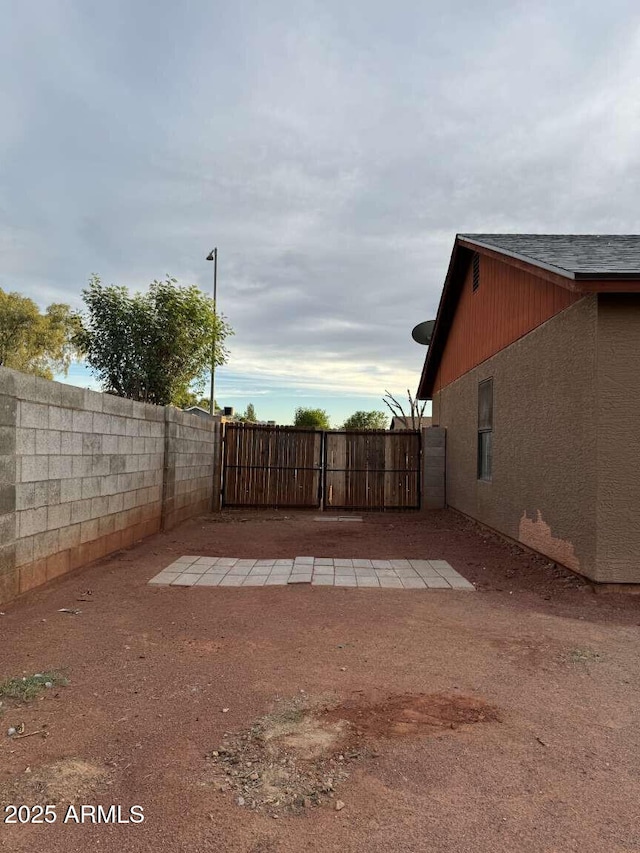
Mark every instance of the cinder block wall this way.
pixel 82 474
pixel 192 445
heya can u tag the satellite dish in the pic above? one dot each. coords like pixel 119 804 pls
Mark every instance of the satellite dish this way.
pixel 422 333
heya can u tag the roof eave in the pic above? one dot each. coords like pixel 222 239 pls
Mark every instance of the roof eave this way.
pixel 518 257
pixel 427 377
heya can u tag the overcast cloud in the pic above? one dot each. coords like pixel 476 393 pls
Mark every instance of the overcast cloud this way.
pixel 330 153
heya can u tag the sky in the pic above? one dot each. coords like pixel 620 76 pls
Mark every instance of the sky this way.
pixel 330 150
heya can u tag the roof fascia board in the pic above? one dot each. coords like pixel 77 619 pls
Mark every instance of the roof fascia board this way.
pixel 427 376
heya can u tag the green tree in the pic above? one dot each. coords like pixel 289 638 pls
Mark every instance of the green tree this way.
pixel 250 414
pixel 315 418
pixel 366 420
pixel 36 343
pixel 156 346
pixel 184 399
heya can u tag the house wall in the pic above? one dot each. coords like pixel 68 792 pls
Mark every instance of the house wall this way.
pixel 84 474
pixel 618 547
pixel 544 486
pixel 508 304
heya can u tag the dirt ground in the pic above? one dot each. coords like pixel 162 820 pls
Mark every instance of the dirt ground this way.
pixel 283 719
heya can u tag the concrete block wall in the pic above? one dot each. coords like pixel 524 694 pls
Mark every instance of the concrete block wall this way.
pixel 191 469
pixel 82 475
pixel 433 467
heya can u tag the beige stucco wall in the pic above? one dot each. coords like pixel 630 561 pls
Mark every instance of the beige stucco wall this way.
pixel 545 474
pixel 618 546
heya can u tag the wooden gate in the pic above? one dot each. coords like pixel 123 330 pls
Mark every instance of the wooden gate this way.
pixel 372 470
pixel 265 466
pixel 271 466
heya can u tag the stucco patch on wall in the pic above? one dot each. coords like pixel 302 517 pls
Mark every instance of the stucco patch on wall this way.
pixel 537 534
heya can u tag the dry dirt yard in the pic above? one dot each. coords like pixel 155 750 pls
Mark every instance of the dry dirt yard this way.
pixel 283 719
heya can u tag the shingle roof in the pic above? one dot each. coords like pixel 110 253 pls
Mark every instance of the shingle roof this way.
pixel 571 255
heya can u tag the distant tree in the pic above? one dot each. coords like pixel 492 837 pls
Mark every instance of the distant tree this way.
pixel 416 411
pixel 315 418
pixel 41 344
pixel 366 420
pixel 155 346
pixel 250 414
pixel 190 398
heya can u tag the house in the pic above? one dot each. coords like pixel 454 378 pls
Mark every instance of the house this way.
pixel 407 422
pixel 197 410
pixel 534 372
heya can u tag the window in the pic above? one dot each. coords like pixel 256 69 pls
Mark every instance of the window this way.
pixel 485 429
pixel 476 272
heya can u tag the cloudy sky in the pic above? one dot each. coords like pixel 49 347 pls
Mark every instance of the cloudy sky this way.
pixel 331 150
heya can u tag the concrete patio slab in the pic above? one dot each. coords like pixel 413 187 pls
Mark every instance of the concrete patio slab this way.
pixel 315 571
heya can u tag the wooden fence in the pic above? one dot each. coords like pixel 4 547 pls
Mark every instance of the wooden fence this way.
pixel 372 470
pixel 271 466
pixel 293 467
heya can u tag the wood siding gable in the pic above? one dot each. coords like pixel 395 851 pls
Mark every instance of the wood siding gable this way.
pixel 508 303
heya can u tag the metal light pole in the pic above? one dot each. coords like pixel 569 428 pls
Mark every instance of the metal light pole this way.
pixel 213 256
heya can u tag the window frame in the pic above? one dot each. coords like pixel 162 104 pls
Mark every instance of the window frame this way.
pixel 485 431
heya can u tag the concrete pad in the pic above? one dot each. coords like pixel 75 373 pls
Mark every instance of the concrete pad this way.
pixel 460 583
pixel 254 580
pixel 437 583
pixel 428 573
pixel 209 580
pixel 186 580
pixel 447 573
pixel 229 580
pixel 165 577
pixel 421 564
pixel 368 581
pixel 390 583
pixel 320 571
pixel 441 564
pixel 413 583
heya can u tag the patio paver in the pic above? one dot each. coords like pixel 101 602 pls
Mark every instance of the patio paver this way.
pixel 316 571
